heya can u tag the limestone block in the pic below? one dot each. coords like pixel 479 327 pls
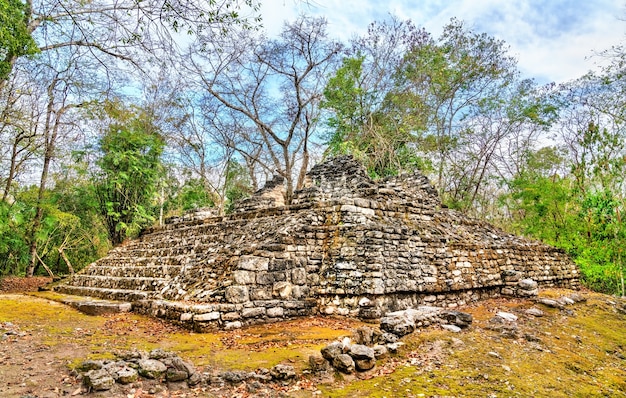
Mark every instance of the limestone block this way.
pixel 361 202
pixel 365 302
pixel 174 375
pixel 380 351
pixel 331 351
pixel 151 368
pixel 99 380
pixel 260 294
pixel 237 294
pixel 399 325
pixel 364 364
pixel 282 290
pixel 253 312
pixel 233 325
pixel 343 311
pixel 209 316
pixel 283 372
pixel 457 318
pixel 507 316
pixel 360 351
pixel 535 312
pixel 126 375
pixel 364 335
pixel 408 285
pixel 265 278
pixel 299 292
pixel 511 275
pixel 244 277
pixel 253 263
pixel 451 328
pixel 507 291
pixel 275 312
pixel 527 284
pixel 527 293
pixel 345 265
pixel 318 363
pixel 298 276
pixel 344 363
pixel 231 316
pixel 328 310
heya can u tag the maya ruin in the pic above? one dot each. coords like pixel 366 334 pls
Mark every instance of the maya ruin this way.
pixel 346 245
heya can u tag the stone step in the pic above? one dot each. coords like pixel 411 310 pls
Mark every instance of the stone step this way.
pixel 92 306
pixel 165 255
pixel 148 284
pixel 154 271
pixel 186 231
pixel 88 305
pixel 110 294
pixel 129 260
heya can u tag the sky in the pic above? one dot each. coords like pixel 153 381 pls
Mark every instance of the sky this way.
pixel 553 40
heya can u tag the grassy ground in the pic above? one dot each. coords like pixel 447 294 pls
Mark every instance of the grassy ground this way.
pixel 579 351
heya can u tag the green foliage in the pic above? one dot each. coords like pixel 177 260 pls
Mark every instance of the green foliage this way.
pixel 14 253
pixel 193 194
pixel 601 256
pixel 15 40
pixel 371 136
pixel 80 233
pixel 237 185
pixel 344 96
pixel 587 225
pixel 69 223
pixel 130 167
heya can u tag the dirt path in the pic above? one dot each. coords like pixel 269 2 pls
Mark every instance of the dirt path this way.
pixel 43 340
pixel 30 368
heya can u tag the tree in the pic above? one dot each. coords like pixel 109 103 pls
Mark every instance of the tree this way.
pixel 451 81
pixel 593 129
pixel 540 199
pixel 15 35
pixel 20 140
pixel 360 98
pixel 573 196
pixel 57 121
pixel 13 244
pixel 403 100
pixel 486 147
pixel 269 92
pixel 237 185
pixel 109 30
pixel 130 167
pixel 80 53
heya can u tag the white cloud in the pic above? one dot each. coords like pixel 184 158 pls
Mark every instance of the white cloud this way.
pixel 551 39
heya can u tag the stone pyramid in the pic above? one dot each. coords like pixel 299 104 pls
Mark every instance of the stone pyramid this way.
pixel 346 245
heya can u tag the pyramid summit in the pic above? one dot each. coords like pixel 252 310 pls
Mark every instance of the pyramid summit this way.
pixel 346 245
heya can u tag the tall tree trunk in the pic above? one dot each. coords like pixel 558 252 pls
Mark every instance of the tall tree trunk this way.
pixel 51 131
pixel 32 267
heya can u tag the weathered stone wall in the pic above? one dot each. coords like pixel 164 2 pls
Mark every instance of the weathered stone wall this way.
pixel 346 245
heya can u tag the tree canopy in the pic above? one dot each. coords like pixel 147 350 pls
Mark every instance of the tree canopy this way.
pixel 15 36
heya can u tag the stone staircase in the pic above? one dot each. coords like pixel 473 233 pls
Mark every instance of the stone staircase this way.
pixel 141 269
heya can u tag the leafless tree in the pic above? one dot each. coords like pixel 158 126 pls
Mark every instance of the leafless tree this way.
pixel 269 91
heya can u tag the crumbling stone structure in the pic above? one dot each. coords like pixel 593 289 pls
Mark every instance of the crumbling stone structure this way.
pixel 346 245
